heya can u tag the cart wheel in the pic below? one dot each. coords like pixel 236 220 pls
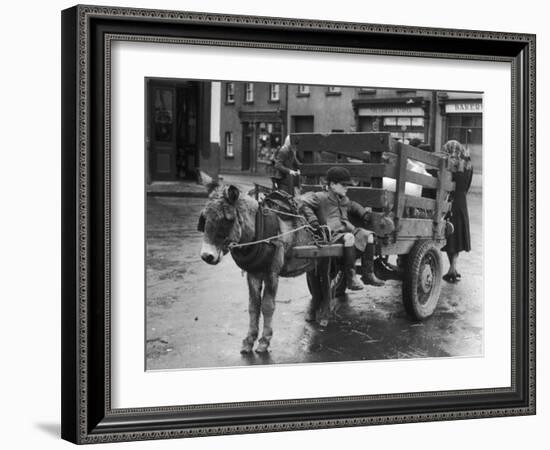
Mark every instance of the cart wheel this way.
pixel 422 281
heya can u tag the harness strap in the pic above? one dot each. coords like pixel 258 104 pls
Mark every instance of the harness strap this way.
pixel 256 255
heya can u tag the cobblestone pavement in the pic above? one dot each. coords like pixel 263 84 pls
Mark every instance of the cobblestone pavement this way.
pixel 197 314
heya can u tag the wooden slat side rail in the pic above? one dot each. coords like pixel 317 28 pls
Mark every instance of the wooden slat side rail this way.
pixel 441 194
pixel 365 196
pixel 351 144
pixel 322 251
pixel 399 204
pixel 312 188
pixel 419 228
pixel 414 228
pixel 426 181
pixel 420 202
pixel 363 172
pixel 366 172
pixel 415 153
pixel 381 199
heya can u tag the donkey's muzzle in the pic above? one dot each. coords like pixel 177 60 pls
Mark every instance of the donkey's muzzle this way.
pixel 208 258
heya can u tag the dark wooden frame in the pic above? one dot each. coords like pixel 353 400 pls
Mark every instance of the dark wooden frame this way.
pixel 87 32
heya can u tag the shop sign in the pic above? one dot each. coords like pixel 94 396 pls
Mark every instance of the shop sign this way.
pixel 463 108
pixel 391 111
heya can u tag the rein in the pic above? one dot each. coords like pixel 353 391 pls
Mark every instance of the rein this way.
pixel 233 245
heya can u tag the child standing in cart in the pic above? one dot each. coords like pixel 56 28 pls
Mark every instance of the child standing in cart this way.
pixel 334 209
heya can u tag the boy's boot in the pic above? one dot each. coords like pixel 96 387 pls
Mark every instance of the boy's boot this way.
pixel 349 268
pixel 367 261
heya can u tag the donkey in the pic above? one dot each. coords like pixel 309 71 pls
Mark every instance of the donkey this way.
pixel 229 220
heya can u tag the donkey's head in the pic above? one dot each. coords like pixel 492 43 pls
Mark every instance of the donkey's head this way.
pixel 221 223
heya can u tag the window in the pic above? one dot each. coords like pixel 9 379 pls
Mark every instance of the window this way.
pixel 334 90
pixel 303 90
pixel 402 128
pixel 367 90
pixel 229 145
pixel 230 92
pixel 467 129
pixel 249 92
pixel 274 92
pixel 403 121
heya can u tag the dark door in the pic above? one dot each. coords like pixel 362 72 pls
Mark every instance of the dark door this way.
pixel 247 144
pixel 187 139
pixel 302 124
pixel 162 132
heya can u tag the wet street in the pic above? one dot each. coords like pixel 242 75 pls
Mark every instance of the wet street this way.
pixel 197 315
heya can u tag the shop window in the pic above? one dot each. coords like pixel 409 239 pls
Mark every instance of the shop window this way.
pixel 249 92
pixel 274 92
pixel 229 145
pixel 230 92
pixel 269 141
pixel 467 129
pixel 404 129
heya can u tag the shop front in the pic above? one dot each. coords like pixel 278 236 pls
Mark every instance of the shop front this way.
pixel 463 121
pixel 405 119
pixel 262 136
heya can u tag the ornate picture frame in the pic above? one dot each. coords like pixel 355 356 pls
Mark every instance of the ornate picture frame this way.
pixel 88 415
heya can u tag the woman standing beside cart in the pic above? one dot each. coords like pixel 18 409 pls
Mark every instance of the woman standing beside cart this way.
pixel 459 240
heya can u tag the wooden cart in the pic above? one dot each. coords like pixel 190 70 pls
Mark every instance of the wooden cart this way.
pixel 419 225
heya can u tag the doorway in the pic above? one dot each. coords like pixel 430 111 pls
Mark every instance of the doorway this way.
pixel 172 129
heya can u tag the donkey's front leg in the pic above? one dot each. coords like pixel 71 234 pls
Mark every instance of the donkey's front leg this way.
pixel 271 283
pixel 254 302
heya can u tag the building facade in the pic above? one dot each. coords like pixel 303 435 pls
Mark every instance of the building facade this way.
pixel 322 109
pixel 252 124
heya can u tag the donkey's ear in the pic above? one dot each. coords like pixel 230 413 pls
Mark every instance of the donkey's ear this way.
pixel 207 181
pixel 231 194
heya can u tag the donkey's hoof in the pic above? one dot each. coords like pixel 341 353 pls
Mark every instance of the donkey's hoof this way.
pixel 263 347
pixel 246 348
pixel 310 316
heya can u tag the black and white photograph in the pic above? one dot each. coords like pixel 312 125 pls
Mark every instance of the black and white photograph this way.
pixel 297 224
pixel 274 221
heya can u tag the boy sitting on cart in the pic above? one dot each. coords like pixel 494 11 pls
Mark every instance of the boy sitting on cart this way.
pixel 333 208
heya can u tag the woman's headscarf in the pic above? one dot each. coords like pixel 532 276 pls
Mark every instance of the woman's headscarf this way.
pixel 458 152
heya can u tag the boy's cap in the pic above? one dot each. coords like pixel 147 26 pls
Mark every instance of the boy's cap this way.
pixel 338 175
